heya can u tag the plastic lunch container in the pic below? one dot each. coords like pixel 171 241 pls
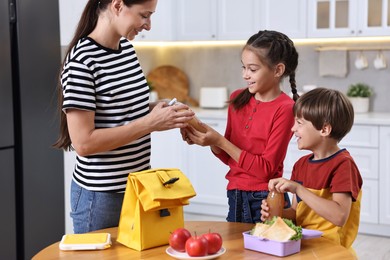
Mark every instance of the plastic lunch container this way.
pixel 271 247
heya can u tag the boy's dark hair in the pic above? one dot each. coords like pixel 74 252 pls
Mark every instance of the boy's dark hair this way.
pixel 271 47
pixel 323 106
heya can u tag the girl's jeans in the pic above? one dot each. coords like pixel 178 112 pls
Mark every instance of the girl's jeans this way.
pixel 245 206
pixel 91 210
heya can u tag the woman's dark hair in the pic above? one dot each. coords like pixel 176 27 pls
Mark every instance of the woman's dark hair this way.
pixel 323 106
pixel 86 25
pixel 272 48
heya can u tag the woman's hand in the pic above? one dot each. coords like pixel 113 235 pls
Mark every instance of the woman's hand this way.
pixel 164 117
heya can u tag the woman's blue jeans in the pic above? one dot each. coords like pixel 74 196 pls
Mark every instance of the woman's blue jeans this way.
pixel 245 206
pixel 91 210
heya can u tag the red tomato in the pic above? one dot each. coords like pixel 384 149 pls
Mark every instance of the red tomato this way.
pixel 178 238
pixel 197 246
pixel 214 241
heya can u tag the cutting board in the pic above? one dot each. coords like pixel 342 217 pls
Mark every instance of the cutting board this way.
pixel 171 82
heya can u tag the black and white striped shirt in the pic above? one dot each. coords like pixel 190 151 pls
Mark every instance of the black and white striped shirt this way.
pixel 110 83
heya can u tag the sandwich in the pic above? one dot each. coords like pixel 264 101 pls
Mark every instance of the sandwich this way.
pixel 277 229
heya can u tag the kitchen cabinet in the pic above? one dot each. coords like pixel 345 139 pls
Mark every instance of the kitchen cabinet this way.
pixel 168 150
pixel 162 23
pixel 196 20
pixel 216 19
pixel 384 175
pixel 238 20
pixel 207 175
pixel 345 18
pixel 286 16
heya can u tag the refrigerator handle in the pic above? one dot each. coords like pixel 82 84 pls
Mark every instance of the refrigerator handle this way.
pixel 12 13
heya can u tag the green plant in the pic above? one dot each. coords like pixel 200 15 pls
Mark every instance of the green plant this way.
pixel 150 84
pixel 359 90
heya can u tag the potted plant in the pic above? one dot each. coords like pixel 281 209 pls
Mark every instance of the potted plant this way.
pixel 359 94
pixel 153 93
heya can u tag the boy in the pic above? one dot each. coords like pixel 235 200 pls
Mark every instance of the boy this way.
pixel 326 183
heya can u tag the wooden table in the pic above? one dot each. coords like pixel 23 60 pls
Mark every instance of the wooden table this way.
pixel 316 248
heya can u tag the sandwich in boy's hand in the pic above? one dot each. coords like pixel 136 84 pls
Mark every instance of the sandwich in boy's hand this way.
pixel 277 229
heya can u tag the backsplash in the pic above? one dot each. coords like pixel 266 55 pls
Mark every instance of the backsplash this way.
pixel 221 66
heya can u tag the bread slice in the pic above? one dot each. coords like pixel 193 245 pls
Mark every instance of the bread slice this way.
pixel 278 231
pixel 259 229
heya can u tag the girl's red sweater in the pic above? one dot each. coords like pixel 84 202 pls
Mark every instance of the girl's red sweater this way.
pixel 262 130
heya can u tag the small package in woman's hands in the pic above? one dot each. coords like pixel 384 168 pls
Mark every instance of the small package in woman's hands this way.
pixel 89 241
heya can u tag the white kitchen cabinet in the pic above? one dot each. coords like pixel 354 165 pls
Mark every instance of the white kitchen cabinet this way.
pixel 196 20
pixel 345 18
pixel 216 19
pixel 286 16
pixel 369 212
pixel 384 175
pixel 162 23
pixel 207 175
pixel 168 150
pixel 237 20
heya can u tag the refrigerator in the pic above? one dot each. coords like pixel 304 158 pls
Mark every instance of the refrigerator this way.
pixel 31 171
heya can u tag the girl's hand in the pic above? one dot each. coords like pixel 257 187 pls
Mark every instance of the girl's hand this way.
pixel 264 210
pixel 184 135
pixel 209 138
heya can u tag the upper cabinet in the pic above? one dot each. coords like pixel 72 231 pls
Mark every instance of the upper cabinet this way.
pixel 238 20
pixel 215 19
pixel 162 24
pixel 196 19
pixel 286 16
pixel 348 18
pixel 199 20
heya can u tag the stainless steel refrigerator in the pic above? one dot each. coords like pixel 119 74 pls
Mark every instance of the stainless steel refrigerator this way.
pixel 31 171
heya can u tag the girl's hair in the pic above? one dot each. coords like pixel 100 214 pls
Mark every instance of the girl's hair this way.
pixel 271 48
pixel 86 25
pixel 323 106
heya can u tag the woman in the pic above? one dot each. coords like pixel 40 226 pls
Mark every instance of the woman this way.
pixel 106 116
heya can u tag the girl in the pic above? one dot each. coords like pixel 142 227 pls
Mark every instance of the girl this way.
pixel 105 102
pixel 260 117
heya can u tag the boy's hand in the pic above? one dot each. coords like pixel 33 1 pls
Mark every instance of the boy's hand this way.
pixel 264 210
pixel 283 185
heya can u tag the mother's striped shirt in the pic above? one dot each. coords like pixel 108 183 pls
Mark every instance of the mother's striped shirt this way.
pixel 110 83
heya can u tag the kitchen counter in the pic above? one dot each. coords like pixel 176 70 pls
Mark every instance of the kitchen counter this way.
pixel 372 118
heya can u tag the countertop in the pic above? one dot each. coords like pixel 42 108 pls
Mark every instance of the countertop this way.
pixel 371 118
